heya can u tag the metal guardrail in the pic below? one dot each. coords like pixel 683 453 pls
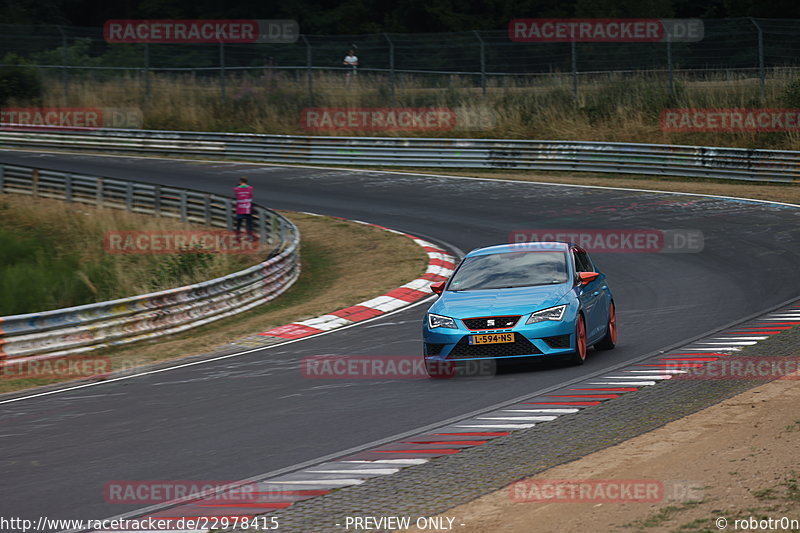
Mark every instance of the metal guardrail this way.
pixel 100 325
pixel 580 156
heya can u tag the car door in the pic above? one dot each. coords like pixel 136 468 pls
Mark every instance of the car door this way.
pixel 592 296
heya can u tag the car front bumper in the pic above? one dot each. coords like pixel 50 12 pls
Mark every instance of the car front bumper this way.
pixel 531 340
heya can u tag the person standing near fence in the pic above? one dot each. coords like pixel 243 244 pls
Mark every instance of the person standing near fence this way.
pixel 244 208
pixel 350 60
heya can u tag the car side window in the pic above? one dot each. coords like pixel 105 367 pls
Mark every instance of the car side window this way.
pixel 582 262
pixel 587 261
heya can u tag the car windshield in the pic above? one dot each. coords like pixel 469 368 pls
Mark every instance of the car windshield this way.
pixel 507 270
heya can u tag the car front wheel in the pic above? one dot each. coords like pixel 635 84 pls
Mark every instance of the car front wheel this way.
pixel 578 357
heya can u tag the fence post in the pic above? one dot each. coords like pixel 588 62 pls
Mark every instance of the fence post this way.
pixel 670 77
pixel 574 54
pixel 222 72
pixel 761 77
pixel 391 68
pixel 483 62
pixel 146 72
pixel 64 61
pixel 309 82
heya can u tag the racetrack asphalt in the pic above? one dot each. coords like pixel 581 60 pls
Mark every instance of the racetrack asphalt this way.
pixel 234 418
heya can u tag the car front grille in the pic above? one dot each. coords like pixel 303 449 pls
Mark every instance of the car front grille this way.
pixel 491 322
pixel 559 341
pixel 521 346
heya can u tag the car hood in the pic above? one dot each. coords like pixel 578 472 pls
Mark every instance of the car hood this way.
pixel 498 302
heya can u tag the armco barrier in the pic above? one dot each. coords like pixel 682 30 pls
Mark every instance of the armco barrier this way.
pixel 629 158
pixel 90 327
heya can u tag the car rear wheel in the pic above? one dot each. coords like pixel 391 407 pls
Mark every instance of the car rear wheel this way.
pixel 578 357
pixel 610 340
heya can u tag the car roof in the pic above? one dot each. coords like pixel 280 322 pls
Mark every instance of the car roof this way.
pixel 539 246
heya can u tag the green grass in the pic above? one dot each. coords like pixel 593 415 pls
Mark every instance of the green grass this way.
pixel 52 256
pixel 33 276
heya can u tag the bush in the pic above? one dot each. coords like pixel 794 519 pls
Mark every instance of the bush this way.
pixel 19 81
pixel 791 94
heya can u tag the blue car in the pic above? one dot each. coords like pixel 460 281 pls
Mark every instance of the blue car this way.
pixel 520 300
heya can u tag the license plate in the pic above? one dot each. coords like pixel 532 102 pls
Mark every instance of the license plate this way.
pixel 491 338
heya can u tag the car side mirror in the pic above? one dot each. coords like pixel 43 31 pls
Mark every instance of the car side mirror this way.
pixel 588 277
pixel 438 287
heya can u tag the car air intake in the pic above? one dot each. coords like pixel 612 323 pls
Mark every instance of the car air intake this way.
pixel 559 341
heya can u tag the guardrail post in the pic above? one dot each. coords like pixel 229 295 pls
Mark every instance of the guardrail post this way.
pixel 184 207
pixel 98 199
pixel 761 76
pixel 391 69
pixel 129 196
pixel 157 200
pixel 68 187
pixel 207 209
pixel 483 62
pixel 262 226
pixel 229 214
pixel 35 182
pixel 2 177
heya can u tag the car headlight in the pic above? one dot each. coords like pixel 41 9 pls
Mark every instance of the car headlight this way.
pixel 438 321
pixel 552 313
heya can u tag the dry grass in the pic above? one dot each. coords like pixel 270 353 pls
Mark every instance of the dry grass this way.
pixel 612 107
pixel 343 263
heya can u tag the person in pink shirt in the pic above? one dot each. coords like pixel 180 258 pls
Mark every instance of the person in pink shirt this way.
pixel 244 208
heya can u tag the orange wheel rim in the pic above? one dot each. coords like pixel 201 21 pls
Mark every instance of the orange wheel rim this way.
pixel 612 323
